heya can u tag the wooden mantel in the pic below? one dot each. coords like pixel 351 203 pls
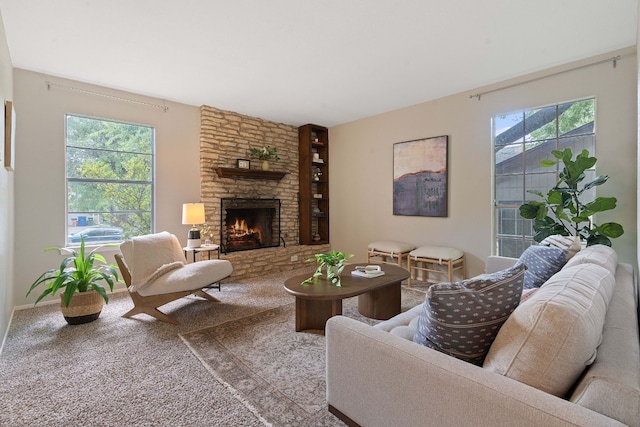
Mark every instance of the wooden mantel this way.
pixel 238 173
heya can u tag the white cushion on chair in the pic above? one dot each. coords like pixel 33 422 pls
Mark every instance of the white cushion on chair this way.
pixel 190 277
pixel 157 262
pixel 436 252
pixel 391 246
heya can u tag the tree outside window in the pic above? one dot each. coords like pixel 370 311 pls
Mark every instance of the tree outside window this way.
pixel 109 179
pixel 521 140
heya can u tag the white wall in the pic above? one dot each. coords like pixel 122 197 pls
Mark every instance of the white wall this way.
pixel 361 155
pixel 40 162
pixel 361 162
pixel 6 199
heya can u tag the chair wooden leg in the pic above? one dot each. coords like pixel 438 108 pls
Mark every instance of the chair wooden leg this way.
pixel 153 312
pixel 205 295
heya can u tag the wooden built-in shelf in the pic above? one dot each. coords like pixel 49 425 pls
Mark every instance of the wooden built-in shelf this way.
pixel 249 173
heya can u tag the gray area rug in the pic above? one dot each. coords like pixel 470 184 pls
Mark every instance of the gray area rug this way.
pixel 133 372
pixel 275 371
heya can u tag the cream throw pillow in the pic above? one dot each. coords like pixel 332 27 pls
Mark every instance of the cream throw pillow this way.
pixel 550 338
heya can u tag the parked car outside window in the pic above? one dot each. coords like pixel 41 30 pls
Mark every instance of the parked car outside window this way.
pixel 97 234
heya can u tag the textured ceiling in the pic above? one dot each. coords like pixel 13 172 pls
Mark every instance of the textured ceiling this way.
pixel 301 61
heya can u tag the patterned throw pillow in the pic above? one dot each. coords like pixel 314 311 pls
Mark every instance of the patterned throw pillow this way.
pixel 542 262
pixel 463 318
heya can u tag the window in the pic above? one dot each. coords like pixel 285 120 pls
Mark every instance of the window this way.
pixel 109 180
pixel 521 140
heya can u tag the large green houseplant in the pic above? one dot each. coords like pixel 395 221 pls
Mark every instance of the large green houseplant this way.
pixel 570 216
pixel 81 278
pixel 332 263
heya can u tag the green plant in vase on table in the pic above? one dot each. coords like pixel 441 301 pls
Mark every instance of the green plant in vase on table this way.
pixel 333 263
pixel 81 279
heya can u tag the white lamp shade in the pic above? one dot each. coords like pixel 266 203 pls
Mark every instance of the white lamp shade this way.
pixel 193 213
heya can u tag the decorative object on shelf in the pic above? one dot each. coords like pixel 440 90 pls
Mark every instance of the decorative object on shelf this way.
pixel 207 231
pixel 571 217
pixel 265 153
pixel 243 164
pixel 333 263
pixel 316 237
pixel 193 213
pixel 317 173
pixel 420 177
pixel 316 158
pixel 84 295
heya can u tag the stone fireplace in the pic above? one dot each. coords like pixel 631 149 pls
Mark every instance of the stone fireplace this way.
pixel 249 224
pixel 225 137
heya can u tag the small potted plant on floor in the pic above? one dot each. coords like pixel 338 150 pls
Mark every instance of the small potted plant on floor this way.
pixel 81 278
pixel 333 263
pixel 571 215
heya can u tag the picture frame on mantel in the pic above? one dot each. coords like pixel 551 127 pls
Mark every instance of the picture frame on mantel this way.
pixel 243 164
pixel 420 182
pixel 9 136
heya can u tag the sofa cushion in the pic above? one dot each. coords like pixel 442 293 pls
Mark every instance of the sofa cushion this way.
pixel 542 262
pixel 552 336
pixel 601 255
pixel 463 318
pixel 569 243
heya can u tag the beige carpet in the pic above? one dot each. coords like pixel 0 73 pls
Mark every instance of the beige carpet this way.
pixel 135 372
pixel 275 371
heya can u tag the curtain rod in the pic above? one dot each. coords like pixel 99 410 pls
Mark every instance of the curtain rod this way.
pixel 104 95
pixel 614 60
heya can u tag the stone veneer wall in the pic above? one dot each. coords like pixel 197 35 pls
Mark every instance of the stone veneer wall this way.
pixel 225 137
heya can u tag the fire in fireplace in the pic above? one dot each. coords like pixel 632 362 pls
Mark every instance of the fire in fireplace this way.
pixel 249 224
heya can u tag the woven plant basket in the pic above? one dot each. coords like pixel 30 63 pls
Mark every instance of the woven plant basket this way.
pixel 84 307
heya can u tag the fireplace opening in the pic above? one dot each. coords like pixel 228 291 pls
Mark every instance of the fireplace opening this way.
pixel 249 224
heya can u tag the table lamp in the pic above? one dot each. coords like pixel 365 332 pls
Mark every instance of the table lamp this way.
pixel 193 213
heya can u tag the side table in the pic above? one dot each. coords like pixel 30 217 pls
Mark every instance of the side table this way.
pixel 204 248
pixel 208 249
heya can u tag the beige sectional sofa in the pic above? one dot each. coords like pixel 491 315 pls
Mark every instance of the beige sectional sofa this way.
pixel 581 326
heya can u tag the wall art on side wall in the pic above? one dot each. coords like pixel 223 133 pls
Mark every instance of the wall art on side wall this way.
pixel 9 136
pixel 420 184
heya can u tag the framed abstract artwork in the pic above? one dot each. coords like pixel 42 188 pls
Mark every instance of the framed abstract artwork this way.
pixel 420 184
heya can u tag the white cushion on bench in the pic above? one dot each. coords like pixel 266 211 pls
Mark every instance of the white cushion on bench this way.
pixel 436 252
pixel 390 246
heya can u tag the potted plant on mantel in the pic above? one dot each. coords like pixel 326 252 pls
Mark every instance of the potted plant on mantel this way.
pixel 571 217
pixel 83 296
pixel 333 263
pixel 265 154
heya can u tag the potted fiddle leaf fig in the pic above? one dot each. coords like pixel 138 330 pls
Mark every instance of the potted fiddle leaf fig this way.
pixel 563 210
pixel 333 263
pixel 81 278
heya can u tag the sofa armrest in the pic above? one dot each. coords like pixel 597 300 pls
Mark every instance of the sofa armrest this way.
pixel 498 263
pixel 378 379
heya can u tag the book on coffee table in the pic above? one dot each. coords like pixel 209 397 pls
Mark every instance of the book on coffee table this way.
pixel 367 273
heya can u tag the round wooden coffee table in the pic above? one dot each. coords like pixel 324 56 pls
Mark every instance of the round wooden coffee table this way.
pixel 378 297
